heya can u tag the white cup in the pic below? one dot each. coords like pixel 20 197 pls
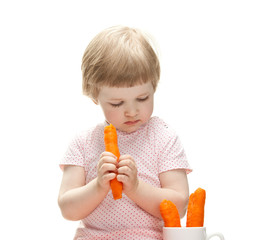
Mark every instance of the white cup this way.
pixel 188 233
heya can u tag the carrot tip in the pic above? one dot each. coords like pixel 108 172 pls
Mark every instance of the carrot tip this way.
pixel 170 214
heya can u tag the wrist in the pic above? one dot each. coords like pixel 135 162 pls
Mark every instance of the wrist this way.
pixel 99 189
pixel 132 193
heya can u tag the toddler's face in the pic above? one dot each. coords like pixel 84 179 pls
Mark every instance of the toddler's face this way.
pixel 127 108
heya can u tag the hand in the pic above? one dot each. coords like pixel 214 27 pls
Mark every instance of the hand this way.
pixel 106 169
pixel 127 173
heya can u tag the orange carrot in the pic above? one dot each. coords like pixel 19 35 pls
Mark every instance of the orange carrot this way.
pixel 170 214
pixel 195 214
pixel 190 210
pixel 110 139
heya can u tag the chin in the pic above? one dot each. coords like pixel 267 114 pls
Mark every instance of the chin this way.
pixel 130 129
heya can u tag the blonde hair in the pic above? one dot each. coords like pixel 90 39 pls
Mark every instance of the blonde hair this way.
pixel 119 57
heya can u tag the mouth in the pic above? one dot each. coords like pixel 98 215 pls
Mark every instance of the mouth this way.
pixel 131 123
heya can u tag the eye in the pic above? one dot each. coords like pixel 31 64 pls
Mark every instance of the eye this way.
pixel 116 104
pixel 143 99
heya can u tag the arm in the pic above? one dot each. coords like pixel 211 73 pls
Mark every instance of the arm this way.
pixel 174 187
pixel 78 199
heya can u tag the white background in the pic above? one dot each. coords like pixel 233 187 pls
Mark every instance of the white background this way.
pixel 217 89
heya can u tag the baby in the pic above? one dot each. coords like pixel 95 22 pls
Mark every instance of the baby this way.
pixel 121 72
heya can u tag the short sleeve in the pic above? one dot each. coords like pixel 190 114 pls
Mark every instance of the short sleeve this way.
pixel 75 154
pixel 171 153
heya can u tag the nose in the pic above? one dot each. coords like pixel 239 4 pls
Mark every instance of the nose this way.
pixel 131 110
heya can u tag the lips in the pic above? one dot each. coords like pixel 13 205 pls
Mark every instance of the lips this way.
pixel 130 123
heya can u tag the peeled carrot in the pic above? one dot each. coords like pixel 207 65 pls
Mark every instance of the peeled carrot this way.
pixel 190 210
pixel 170 214
pixel 195 213
pixel 110 139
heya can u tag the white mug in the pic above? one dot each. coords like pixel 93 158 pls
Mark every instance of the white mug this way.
pixel 188 233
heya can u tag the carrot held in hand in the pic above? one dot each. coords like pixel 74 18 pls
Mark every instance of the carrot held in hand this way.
pixel 195 213
pixel 170 214
pixel 110 139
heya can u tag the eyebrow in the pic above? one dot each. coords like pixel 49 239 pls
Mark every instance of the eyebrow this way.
pixel 143 94
pixel 120 99
pixel 115 99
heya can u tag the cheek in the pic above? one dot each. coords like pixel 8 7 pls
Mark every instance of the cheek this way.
pixel 148 110
pixel 111 114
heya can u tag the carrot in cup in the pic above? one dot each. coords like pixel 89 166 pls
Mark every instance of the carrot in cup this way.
pixel 110 139
pixel 195 213
pixel 170 214
pixel 190 210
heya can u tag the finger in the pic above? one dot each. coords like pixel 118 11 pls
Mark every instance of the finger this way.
pixel 107 168
pixel 122 178
pixel 125 170
pixel 101 165
pixel 106 154
pixel 127 162
pixel 124 157
pixel 108 159
pixel 108 177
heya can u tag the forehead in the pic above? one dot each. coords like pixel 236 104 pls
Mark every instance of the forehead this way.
pixel 126 92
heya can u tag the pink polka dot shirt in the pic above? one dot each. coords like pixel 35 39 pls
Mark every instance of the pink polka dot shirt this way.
pixel 156 149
